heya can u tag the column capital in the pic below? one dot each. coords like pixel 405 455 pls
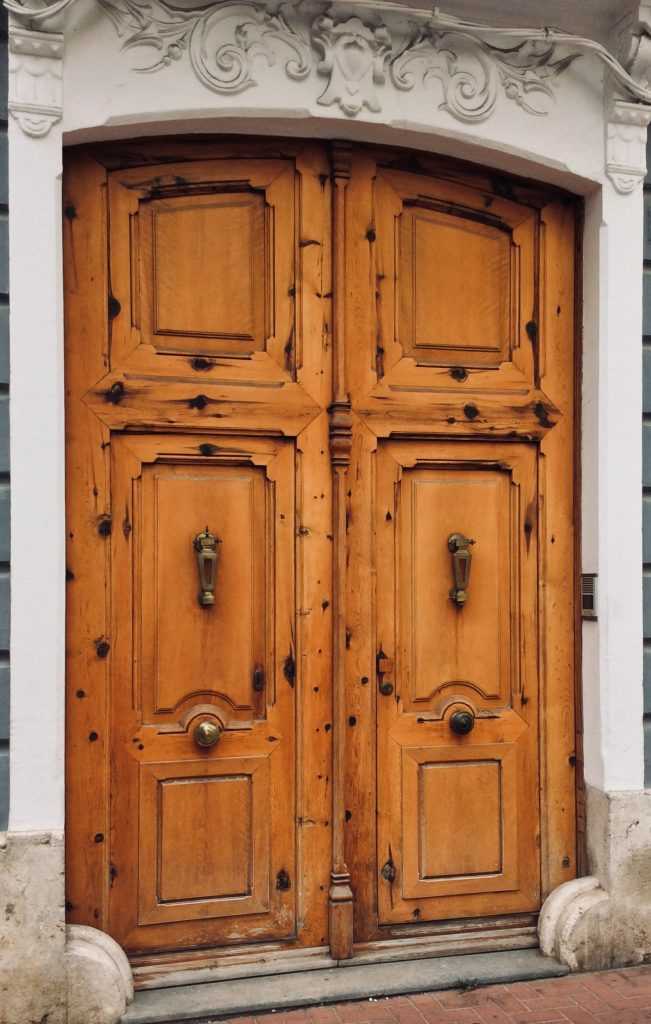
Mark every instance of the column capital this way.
pixel 35 78
pixel 626 128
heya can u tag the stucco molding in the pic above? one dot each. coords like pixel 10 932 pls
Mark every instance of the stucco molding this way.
pixel 231 45
pixel 472 71
pixel 226 42
pixel 353 57
pixel 626 121
pixel 35 79
pixel 360 55
pixel 626 132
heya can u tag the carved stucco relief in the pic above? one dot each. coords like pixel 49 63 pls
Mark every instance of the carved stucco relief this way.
pixel 353 61
pixel 357 56
pixel 360 50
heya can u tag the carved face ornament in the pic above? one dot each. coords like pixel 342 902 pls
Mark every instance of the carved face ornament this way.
pixel 353 59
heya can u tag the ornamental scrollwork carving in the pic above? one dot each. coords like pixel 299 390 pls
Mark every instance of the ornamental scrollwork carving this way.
pixel 471 71
pixel 364 50
pixel 224 41
pixel 228 41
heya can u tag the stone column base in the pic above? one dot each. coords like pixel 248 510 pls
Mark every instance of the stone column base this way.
pixel 604 920
pixel 32 928
pixel 77 975
pixel 100 983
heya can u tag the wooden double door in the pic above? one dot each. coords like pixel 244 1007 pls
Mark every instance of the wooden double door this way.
pixel 321 547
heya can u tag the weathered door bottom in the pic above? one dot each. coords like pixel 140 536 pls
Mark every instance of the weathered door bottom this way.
pixel 209 965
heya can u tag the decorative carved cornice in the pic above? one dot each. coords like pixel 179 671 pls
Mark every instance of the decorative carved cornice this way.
pixel 341 433
pixel 35 79
pixel 361 49
pixel 353 47
pixel 357 55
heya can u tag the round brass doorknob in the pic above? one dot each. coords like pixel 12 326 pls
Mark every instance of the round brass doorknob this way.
pixel 207 734
pixel 462 722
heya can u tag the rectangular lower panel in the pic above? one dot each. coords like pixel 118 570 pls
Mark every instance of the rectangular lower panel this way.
pixel 464 811
pixel 452 799
pixel 204 839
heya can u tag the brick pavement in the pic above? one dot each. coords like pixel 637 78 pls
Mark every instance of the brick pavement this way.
pixel 620 997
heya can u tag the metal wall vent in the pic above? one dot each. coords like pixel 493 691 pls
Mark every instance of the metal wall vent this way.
pixel 589 595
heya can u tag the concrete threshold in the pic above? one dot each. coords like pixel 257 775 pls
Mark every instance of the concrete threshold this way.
pixel 214 1001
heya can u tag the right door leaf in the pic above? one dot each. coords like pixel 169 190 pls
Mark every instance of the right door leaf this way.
pixel 458 797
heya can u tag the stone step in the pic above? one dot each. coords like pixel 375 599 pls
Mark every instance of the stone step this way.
pixel 204 1003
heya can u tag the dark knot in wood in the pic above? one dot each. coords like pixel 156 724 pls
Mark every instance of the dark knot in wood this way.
pixel 341 433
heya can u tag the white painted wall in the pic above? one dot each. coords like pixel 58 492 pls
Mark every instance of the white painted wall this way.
pixel 620 513
pixel 611 461
pixel 38 484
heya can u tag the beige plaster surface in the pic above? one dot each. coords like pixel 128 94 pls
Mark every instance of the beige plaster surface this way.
pixel 32 929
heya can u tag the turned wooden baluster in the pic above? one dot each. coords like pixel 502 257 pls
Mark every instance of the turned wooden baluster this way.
pixel 341 895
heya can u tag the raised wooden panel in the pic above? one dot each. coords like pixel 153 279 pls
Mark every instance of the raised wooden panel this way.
pixel 456 284
pixel 189 652
pixel 451 308
pixel 191 812
pixel 205 272
pixel 203 264
pixel 460 806
pixel 462 801
pixel 444 648
pixel 214 305
pixel 204 839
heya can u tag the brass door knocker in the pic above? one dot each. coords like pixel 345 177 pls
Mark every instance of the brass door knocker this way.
pixel 459 548
pixel 205 545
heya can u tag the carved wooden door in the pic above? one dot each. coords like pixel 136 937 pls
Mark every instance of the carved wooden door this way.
pixel 199 550
pixel 321 556
pixel 459 336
